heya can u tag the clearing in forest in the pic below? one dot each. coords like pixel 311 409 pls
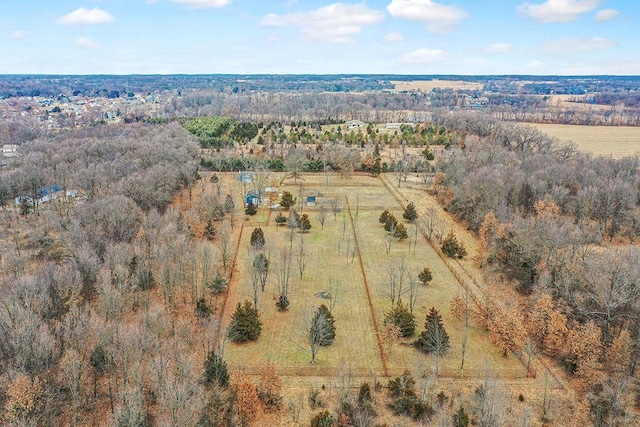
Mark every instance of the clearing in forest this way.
pixel 349 258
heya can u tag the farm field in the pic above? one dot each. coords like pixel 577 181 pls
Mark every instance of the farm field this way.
pixel 330 259
pixel 615 142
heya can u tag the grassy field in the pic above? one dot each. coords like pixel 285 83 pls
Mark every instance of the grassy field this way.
pixel 429 85
pixel 610 141
pixel 331 258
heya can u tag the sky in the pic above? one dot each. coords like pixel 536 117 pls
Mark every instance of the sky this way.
pixel 470 37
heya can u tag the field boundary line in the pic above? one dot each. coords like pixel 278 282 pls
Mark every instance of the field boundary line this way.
pixel 226 294
pixel 366 285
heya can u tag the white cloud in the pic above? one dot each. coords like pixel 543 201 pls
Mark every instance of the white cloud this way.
pixel 424 56
pixel 606 15
pixel 558 10
pixel 535 66
pixel 203 4
pixel 393 37
pixel 86 16
pixel 18 34
pixel 439 18
pixel 499 48
pixel 86 43
pixel 335 23
pixel 574 45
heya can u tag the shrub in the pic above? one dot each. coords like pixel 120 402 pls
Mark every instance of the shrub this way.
pixel 329 334
pixel 400 232
pixel 245 323
pixel 280 219
pixel 391 223
pixel 425 276
pixel 402 318
pixel 323 419
pixel 304 223
pixel 251 209
pixel 218 284
pixel 202 309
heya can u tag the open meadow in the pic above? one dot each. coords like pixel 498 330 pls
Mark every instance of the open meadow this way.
pixel 610 141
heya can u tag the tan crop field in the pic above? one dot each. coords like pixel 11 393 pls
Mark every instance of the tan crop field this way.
pixel 609 141
pixel 429 85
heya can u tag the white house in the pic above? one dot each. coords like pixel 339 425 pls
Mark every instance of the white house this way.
pixel 354 124
pixel 10 150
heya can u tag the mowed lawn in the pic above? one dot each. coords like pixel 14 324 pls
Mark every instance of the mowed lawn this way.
pixel 284 334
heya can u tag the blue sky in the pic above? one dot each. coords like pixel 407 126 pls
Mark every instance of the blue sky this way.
pixel 320 37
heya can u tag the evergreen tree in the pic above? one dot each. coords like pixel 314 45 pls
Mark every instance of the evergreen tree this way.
pixel 410 213
pixel 257 238
pixel 304 223
pixel 251 209
pixel 391 223
pixel 209 230
pixel 218 284
pixel 460 418
pixel 245 324
pixel 452 248
pixel 383 217
pixel 328 334
pixel 425 276
pixel 402 318
pixel 434 339
pixel 400 232
pixel 215 371
pixel 282 303
pixel 280 219
pixel 228 204
pixel 202 309
pixel 287 200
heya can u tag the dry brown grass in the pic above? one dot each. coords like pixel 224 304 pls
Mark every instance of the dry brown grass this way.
pixel 610 141
pixel 283 339
pixel 429 85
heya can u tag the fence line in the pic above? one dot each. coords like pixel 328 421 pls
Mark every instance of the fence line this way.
pixel 531 372
pixel 444 373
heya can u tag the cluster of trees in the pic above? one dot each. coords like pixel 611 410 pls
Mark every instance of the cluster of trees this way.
pixel 107 297
pixel 558 224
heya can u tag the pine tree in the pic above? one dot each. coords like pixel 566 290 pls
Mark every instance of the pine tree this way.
pixel 402 318
pixel 425 276
pixel 257 238
pixel 383 217
pixel 452 248
pixel 251 209
pixel 245 323
pixel 215 371
pixel 410 213
pixel 228 204
pixel 287 200
pixel 400 232
pixel 391 223
pixel 460 418
pixel 209 230
pixel 304 223
pixel 434 339
pixel 280 219
pixel 329 334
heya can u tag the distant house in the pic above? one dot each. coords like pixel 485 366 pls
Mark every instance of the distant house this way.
pixel 10 150
pixel 311 200
pixel 397 125
pixel 354 124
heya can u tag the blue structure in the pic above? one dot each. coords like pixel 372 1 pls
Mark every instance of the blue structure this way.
pixel 253 196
